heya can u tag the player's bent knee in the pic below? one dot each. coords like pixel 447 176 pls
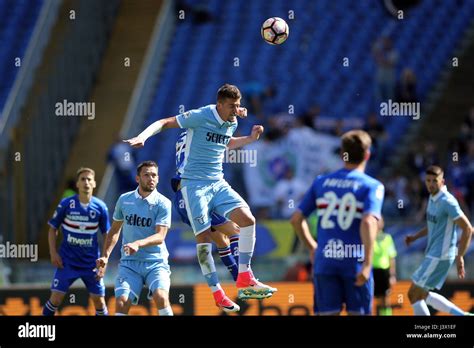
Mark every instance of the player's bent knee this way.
pixel 219 239
pixel 99 301
pixel 161 298
pixel 204 237
pixel 250 220
pixel 56 298
pixel 122 304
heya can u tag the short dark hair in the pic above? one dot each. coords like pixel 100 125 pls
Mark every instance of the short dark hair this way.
pixel 228 91
pixel 434 170
pixel 84 170
pixel 355 143
pixel 146 164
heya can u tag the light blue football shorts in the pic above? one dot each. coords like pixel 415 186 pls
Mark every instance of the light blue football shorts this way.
pixel 205 196
pixel 132 274
pixel 432 273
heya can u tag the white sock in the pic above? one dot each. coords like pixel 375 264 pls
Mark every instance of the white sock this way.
pixel 442 304
pixel 167 311
pixel 246 247
pixel 216 287
pixel 208 267
pixel 120 314
pixel 420 308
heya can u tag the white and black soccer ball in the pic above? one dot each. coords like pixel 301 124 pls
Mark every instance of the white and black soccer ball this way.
pixel 275 31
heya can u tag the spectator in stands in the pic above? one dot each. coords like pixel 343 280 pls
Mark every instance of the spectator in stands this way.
pixel 121 157
pixel 288 193
pixel 416 193
pixel 421 159
pixel 338 129
pixel 469 121
pixel 385 58
pixel 406 87
pixel 199 12
pixel 376 132
pixel 255 94
pixel 310 117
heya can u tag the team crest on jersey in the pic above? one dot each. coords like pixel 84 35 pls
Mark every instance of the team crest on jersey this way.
pixel 92 214
pixel 55 282
pixel 201 219
pixel 82 227
pixel 187 114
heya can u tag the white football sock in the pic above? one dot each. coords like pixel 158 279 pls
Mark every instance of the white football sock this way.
pixel 167 311
pixel 442 304
pixel 246 247
pixel 420 308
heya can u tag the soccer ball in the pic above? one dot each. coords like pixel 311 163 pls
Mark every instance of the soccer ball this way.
pixel 275 31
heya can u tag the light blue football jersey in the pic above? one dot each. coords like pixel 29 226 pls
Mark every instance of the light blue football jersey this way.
pixel 140 216
pixel 441 212
pixel 206 141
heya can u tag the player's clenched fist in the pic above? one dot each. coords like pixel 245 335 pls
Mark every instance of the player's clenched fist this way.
pixel 242 112
pixel 257 130
pixel 101 265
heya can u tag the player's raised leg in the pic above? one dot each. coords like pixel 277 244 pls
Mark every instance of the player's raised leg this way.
pixel 208 268
pixel 196 199
pixel 225 248
pixel 248 285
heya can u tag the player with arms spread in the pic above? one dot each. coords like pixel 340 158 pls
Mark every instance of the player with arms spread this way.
pixel 209 133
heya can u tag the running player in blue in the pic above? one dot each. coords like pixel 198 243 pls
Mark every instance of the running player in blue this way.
pixel 80 217
pixel 225 233
pixel 204 189
pixel 348 203
pixel 145 216
pixel 443 216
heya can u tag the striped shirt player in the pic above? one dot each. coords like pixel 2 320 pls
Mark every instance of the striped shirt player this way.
pixel 348 203
pixel 340 200
pixel 80 224
pixel 443 216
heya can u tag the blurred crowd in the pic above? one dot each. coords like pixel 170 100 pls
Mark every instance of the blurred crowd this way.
pixel 288 175
pixel 458 164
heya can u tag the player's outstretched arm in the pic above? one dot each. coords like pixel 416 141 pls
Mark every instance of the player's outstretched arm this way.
pixel 464 242
pixel 413 237
pixel 151 130
pixel 155 239
pixel 368 230
pixel 237 142
pixel 301 228
pixel 56 259
pixel 109 244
